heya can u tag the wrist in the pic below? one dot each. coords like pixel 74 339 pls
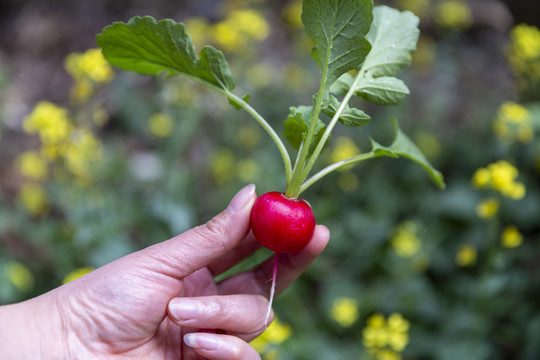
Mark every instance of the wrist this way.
pixel 31 330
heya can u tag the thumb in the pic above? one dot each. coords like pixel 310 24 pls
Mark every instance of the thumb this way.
pixel 198 247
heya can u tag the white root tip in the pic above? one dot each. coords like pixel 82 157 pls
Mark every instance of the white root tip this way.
pixel 272 291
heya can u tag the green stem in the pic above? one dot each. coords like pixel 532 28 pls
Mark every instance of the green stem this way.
pixel 297 176
pixel 331 125
pixel 281 147
pixel 331 168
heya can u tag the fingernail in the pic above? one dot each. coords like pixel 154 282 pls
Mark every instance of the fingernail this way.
pixel 240 199
pixel 202 341
pixel 184 309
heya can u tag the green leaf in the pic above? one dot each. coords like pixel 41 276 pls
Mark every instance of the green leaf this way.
pixel 384 90
pixel 393 36
pixel 296 126
pixel 148 47
pixel 338 29
pixel 349 116
pixel 403 146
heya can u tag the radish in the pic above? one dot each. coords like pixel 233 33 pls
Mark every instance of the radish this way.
pixel 282 224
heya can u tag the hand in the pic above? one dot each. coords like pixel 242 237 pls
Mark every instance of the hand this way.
pixel 143 305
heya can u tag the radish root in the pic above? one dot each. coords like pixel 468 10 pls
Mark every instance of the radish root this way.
pixel 272 291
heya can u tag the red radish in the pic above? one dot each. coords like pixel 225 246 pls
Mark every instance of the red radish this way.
pixel 282 224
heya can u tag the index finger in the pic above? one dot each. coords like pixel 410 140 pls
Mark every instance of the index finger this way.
pixel 290 267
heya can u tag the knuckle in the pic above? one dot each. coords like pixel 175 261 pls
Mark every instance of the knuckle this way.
pixel 215 230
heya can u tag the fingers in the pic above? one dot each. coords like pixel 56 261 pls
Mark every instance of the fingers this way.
pixel 219 347
pixel 245 249
pixel 290 266
pixel 200 246
pixel 239 314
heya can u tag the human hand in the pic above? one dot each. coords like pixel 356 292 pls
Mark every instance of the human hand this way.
pixel 144 304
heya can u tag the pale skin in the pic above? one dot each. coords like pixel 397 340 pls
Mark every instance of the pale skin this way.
pixel 161 302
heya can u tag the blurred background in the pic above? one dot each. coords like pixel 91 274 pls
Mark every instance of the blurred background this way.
pixel 96 163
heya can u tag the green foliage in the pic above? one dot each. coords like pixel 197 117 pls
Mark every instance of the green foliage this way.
pixel 403 146
pixel 345 39
pixel 149 47
pixel 338 29
pixel 384 90
pixel 296 126
pixel 393 36
pixel 349 116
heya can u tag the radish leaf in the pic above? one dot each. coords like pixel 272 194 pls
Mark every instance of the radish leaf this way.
pixel 146 46
pixel 384 90
pixel 338 28
pixel 296 126
pixel 393 36
pixel 349 116
pixel 403 146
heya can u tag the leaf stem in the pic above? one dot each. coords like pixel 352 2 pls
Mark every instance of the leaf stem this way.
pixel 331 168
pixel 331 125
pixel 298 173
pixel 277 140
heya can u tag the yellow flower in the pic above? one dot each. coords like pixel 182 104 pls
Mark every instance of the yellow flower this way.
pixel 77 273
pixel 386 338
pixel 513 112
pixel 50 122
pixel 466 255
pixel 487 208
pixel 250 23
pixel 32 165
pixel 344 148
pixel 228 37
pixel 513 122
pixel 526 41
pixel 277 333
pixel 19 275
pixel 481 178
pixel 454 14
pixel 344 311
pixel 511 237
pixel 33 198
pixel 398 329
pixel 90 64
pixel 405 240
pixel 87 69
pixel 500 176
pixel 239 29
pixel 161 125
